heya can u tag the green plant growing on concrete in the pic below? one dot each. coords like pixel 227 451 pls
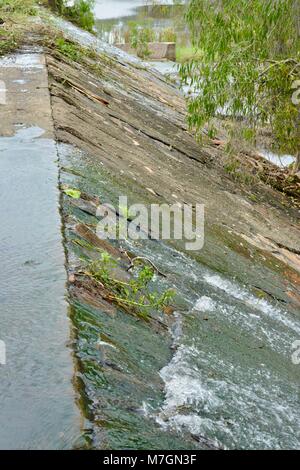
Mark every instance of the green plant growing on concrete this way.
pixel 135 294
pixel 86 56
pixel 68 49
pixel 13 15
pixel 8 41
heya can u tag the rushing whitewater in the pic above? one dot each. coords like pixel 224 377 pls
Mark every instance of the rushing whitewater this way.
pixel 236 394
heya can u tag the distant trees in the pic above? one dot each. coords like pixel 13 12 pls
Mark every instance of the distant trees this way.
pixel 249 64
pixel 79 12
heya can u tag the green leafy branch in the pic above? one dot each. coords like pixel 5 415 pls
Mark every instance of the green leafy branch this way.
pixel 135 294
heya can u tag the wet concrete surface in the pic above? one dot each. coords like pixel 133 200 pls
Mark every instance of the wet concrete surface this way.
pixel 37 399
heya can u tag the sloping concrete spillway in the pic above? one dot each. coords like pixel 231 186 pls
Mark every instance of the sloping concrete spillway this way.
pixel 219 371
pixel 37 402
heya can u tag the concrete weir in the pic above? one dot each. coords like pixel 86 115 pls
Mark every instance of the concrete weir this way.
pixel 37 399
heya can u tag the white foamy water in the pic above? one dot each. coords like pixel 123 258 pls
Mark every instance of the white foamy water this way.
pixel 182 384
pixel 233 414
pixel 250 300
pixel 235 391
pixel 258 325
pixel 205 304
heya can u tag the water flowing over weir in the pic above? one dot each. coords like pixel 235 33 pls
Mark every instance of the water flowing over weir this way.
pixel 230 382
pixel 217 373
pixel 37 401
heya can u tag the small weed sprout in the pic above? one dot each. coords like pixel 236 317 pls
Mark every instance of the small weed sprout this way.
pixel 68 49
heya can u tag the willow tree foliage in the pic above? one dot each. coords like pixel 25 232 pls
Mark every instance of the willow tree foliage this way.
pixel 249 65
